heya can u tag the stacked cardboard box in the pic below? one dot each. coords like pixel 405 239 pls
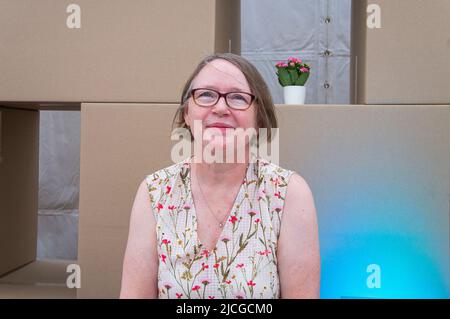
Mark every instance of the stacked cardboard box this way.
pixel 407 59
pixel 121 143
pixel 38 279
pixel 140 143
pixel 393 157
pixel 19 174
pixel 122 52
pixel 139 51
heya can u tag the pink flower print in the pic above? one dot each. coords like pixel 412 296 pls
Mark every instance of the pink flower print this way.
pixel 276 181
pixel 196 287
pixel 205 253
pixel 257 220
pixel 264 252
pixel 205 282
pixel 225 239
pixel 159 207
pixel 233 219
pixel 187 207
pixel 278 194
pixel 251 283
pixel 239 296
pixel 228 281
pixel 216 266
pixel 171 207
pixel 168 188
pixel 211 297
pixel 166 241
pixel 163 258
pixel 179 295
pixel 204 266
pixel 168 286
pixel 278 209
pixel 239 265
pixel 252 213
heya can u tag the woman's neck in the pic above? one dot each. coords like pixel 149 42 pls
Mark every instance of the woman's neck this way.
pixel 219 174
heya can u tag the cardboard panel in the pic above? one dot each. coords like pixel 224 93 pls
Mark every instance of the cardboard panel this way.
pixel 379 176
pixel 19 174
pixel 120 145
pixel 407 60
pixel 122 52
pixel 43 279
pixel 381 181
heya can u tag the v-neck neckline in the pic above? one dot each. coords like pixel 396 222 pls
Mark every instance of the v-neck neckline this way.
pixel 233 207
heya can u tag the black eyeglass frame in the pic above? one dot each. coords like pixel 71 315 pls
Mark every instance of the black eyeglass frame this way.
pixel 224 95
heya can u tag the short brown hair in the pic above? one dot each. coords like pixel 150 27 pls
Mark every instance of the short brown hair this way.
pixel 265 109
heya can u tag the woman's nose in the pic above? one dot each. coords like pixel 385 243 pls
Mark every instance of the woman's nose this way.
pixel 221 106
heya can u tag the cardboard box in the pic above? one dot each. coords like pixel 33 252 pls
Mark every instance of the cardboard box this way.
pixel 139 51
pixel 379 176
pixel 19 172
pixel 407 60
pixel 120 145
pixel 41 279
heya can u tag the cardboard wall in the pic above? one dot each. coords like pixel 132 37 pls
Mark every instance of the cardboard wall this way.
pixel 42 279
pixel 19 174
pixel 122 52
pixel 119 143
pixel 407 60
pixel 379 175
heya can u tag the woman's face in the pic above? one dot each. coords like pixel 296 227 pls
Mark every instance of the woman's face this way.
pixel 222 76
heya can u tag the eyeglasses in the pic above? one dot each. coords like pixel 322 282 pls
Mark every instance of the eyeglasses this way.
pixel 235 100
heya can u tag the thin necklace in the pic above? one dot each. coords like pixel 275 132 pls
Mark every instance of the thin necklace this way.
pixel 221 222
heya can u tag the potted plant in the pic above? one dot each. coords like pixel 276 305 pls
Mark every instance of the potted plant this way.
pixel 292 75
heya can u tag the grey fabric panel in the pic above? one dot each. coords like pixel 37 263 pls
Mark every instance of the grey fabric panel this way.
pixel 59 183
pixel 274 30
pixel 279 26
pixel 57 235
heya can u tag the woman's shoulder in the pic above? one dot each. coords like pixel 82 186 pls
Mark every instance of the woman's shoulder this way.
pixel 166 173
pixel 273 170
pixel 283 177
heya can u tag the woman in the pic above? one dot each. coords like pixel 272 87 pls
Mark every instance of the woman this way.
pixel 223 230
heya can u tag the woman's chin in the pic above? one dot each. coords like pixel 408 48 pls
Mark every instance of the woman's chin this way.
pixel 222 151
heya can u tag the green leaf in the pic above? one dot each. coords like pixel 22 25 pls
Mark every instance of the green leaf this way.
pixel 225 275
pixel 262 241
pixel 283 77
pixel 294 75
pixel 302 79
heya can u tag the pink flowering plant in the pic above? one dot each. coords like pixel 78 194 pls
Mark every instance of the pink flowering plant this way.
pixel 292 72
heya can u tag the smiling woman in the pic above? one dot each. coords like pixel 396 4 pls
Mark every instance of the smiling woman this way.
pixel 223 229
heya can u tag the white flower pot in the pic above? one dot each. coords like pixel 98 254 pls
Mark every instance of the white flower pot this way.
pixel 294 94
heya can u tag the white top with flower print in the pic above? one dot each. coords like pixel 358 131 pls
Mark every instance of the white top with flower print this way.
pixel 244 263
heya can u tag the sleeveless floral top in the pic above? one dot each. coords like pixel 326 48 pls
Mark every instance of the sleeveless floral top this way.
pixel 244 263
